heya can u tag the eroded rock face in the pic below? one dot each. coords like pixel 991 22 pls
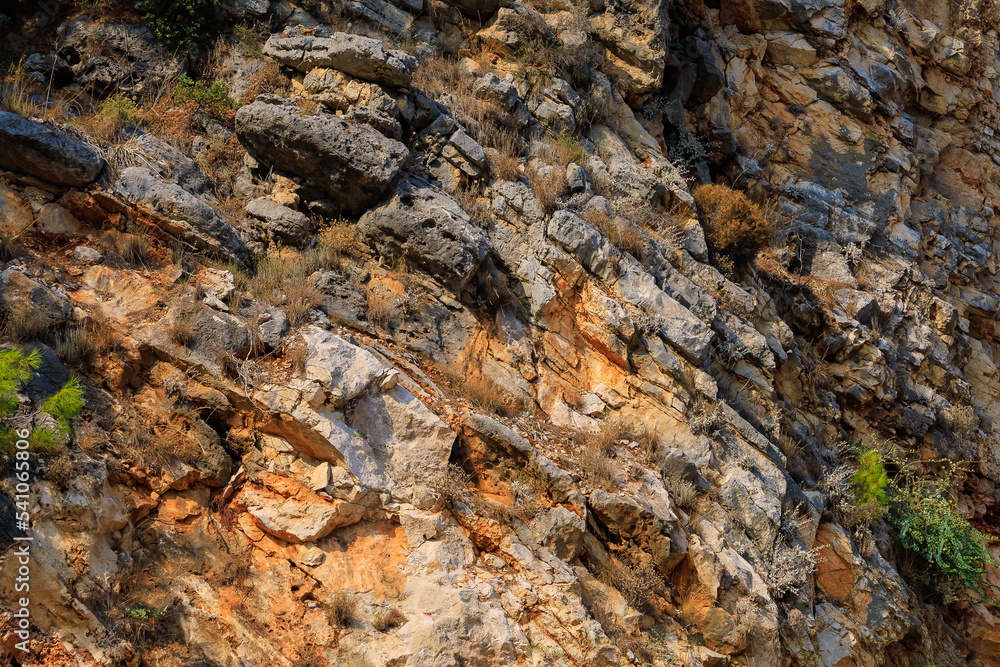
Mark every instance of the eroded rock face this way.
pixel 352 163
pixel 46 152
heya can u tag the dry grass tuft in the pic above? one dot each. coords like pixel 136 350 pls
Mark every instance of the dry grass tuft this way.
pixel 342 610
pixel 621 232
pixel 491 397
pixel 548 184
pixel 389 619
pixel 131 250
pixel 25 323
pixel 181 332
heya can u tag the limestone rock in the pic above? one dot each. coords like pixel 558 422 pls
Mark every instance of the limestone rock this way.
pixel 361 57
pixel 45 152
pixel 351 163
pixel 183 215
pixel 428 228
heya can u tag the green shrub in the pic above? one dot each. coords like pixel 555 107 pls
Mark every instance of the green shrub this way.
pixel 734 225
pixel 179 24
pixel 871 480
pixel 212 97
pixel 930 525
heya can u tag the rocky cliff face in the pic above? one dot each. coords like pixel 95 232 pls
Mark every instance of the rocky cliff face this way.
pixel 420 356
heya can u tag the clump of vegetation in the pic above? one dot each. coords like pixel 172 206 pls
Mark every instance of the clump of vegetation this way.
pixel 491 397
pixel 181 331
pixel 179 25
pixel 922 508
pixel 119 111
pixel 930 525
pixel 341 610
pixel 790 569
pixel 17 91
pixel 622 232
pixel 120 607
pixel 131 250
pixel 16 368
pixel 548 184
pixel 634 576
pixel 25 323
pixel 734 225
pixel 212 97
pixel 388 619
pixel 66 403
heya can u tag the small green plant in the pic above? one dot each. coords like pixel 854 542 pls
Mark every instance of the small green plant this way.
pixel 119 111
pixel 179 24
pixel 66 403
pixel 249 40
pixel 212 97
pixel 43 440
pixel 144 614
pixel 871 479
pixel 16 368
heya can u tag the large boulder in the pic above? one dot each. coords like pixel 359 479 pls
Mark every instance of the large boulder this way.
pixel 361 57
pixel 430 229
pixel 46 152
pixel 352 163
pixel 183 215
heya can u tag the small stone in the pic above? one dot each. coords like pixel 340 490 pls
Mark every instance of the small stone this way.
pixel 87 255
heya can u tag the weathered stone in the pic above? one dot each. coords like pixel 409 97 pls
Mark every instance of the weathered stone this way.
pixel 183 215
pixel 280 222
pixel 361 57
pixel 428 228
pixel 351 163
pixel 45 152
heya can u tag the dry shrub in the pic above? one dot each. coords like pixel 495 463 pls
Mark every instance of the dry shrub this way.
pixel 684 492
pixel 597 467
pixel 621 232
pixel 25 323
pixel 382 310
pixel 131 250
pixel 634 576
pixel 734 225
pixel 491 397
pixel 548 184
pixel 341 610
pixel 790 569
pixel 341 237
pixel 389 619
